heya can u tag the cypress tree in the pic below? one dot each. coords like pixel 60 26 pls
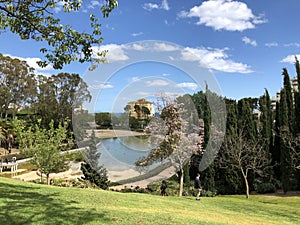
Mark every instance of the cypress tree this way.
pixel 246 122
pixel 284 151
pixel 208 175
pixel 228 179
pixel 276 153
pixel 266 125
pixel 297 114
pixel 91 169
pixel 289 100
pixel 297 99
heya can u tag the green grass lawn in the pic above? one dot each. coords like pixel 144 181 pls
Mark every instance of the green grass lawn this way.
pixel 27 203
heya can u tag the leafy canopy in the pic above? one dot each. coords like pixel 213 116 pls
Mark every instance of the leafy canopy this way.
pixel 35 19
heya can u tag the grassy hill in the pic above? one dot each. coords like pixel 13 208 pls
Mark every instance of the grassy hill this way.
pixel 26 203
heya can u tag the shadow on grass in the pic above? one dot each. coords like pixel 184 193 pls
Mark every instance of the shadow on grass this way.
pixel 27 205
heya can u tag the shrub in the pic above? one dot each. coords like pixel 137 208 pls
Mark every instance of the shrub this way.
pixel 264 187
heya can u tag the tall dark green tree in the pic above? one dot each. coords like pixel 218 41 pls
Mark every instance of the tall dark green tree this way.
pixel 284 151
pixel 208 175
pixel 287 129
pixel 289 101
pixel 228 178
pixel 91 169
pixel 297 99
pixel 245 115
pixel 266 126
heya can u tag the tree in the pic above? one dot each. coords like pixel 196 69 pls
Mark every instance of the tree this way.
pixel 71 92
pixel 266 125
pixel 59 95
pixel 17 84
pixel 91 169
pixel 46 104
pixel 103 120
pixel 286 127
pixel 138 111
pixel 145 111
pixel 35 20
pixel 293 144
pixel 43 145
pixel 245 155
pixel 297 99
pixel 127 108
pixel 228 178
pixel 289 100
pixel 174 137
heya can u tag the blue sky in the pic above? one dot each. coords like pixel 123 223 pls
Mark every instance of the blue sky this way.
pixel 243 45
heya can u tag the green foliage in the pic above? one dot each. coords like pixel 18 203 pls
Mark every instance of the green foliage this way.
pixel 76 156
pixel 37 21
pixel 91 169
pixel 103 120
pixel 263 187
pixel 44 146
pixel 18 84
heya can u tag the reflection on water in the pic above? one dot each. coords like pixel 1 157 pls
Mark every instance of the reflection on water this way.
pixel 139 143
pixel 122 153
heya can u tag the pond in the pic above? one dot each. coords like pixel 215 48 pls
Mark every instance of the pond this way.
pixel 122 152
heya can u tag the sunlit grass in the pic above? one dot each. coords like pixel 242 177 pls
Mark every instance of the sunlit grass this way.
pixel 26 203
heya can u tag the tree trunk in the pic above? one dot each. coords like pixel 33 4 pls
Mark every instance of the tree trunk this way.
pixel 48 181
pixel 181 182
pixel 246 183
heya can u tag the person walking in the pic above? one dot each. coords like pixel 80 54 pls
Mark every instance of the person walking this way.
pixel 163 188
pixel 197 186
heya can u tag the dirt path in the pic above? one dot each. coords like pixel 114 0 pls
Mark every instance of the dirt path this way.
pixel 143 183
pixel 34 175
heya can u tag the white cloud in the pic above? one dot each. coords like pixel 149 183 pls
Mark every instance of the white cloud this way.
pixel 224 15
pixel 135 79
pixel 150 6
pixel 157 83
pixel 215 59
pixel 164 47
pixel 137 34
pixel 94 4
pixel 143 93
pixel 271 44
pixel 115 52
pixel 32 62
pixel 297 45
pixel 248 41
pixel 189 85
pixel 59 6
pixel 290 58
pixel 212 58
pixel 165 5
pixel 137 47
pixel 100 86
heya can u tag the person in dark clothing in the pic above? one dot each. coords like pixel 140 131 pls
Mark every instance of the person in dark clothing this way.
pixel 197 186
pixel 163 188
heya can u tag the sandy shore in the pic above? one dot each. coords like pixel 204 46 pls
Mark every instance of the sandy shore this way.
pixel 115 133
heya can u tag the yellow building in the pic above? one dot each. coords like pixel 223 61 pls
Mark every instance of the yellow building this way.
pixel 140 109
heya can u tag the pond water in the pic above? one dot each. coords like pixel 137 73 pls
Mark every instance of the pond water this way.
pixel 122 152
